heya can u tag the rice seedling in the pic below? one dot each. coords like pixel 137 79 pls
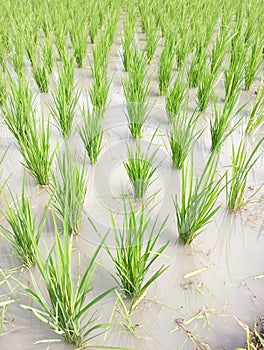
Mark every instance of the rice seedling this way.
pixel 17 57
pixel 183 136
pixel 197 66
pixel 151 37
pixel 91 133
pixel 136 91
pixel 196 205
pixel 78 35
pixel 166 62
pixel 41 77
pixel 218 52
pixel 242 163
pixel 99 91
pixel 128 44
pixel 18 110
pixel 175 98
pixel 65 100
pixel 94 25
pixel 132 260
pixel 182 48
pixel 254 337
pixel 253 62
pixel 3 89
pixel 69 188
pixel 221 123
pixel 256 117
pixel 140 169
pixel 36 151
pixel 22 233
pixel 60 34
pixel 64 305
pixel 205 89
pixel 47 54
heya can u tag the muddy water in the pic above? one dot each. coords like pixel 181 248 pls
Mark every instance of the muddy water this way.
pixel 193 304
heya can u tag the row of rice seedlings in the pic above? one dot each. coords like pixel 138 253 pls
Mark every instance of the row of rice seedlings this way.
pixel 176 97
pixel 140 169
pixel 68 188
pixel 136 91
pixel 63 304
pixel 136 251
pixel 256 117
pixel 22 232
pixel 166 62
pixel 221 125
pixel 242 163
pixel 91 132
pixel 195 207
pixel 183 136
pixel 65 99
pixel 128 39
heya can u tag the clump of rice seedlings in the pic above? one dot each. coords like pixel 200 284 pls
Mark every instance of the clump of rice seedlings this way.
pixel 151 37
pixel 18 110
pixel 36 151
pixel 221 123
pixel 132 260
pixel 78 35
pixel 94 24
pixel 166 62
pixel 64 303
pixel 136 91
pixel 65 99
pixel 242 163
pixel 205 89
pixel 197 66
pixel 218 52
pixel 140 169
pixel 47 54
pixel 196 205
pixel 60 32
pixel 182 48
pixel 41 77
pixel 68 189
pixel 253 62
pixel 17 57
pixel 22 231
pixel 256 117
pixel 31 45
pixel 128 40
pixel 175 98
pixel 91 133
pixel 183 136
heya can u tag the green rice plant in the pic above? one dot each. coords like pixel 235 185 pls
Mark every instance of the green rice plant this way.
pixel 91 133
pixel 22 231
pixel 242 163
pixel 183 136
pixel 47 54
pixel 64 303
pixel 131 259
pixel 136 91
pixel 256 117
pixel 197 66
pixel 218 52
pixel 128 44
pixel 78 35
pixel 36 151
pixel 196 205
pixel 94 24
pixel 140 169
pixel 30 46
pixel 221 123
pixel 3 89
pixel 152 36
pixel 60 42
pixel 205 89
pixel 182 49
pixel 175 97
pixel 69 188
pixel 17 57
pixel 253 62
pixel 18 110
pixel 99 91
pixel 41 77
pixel 65 100
pixel 165 68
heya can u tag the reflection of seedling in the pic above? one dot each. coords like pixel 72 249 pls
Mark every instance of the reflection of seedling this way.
pixel 140 169
pixel 241 165
pixel 133 260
